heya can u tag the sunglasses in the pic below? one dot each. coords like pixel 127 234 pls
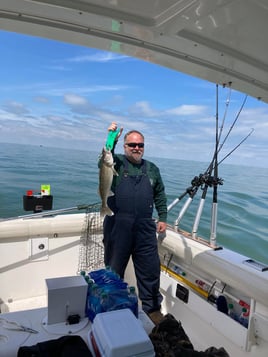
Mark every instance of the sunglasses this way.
pixel 133 145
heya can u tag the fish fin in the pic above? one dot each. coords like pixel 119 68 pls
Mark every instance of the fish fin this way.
pixel 106 211
pixel 115 173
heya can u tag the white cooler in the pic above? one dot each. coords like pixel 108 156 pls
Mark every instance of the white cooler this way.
pixel 119 334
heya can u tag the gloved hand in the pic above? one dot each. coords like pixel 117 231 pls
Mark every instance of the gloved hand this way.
pixel 113 127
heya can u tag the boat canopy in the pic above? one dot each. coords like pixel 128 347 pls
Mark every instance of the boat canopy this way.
pixel 223 41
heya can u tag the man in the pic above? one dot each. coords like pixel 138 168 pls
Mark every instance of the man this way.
pixel 132 230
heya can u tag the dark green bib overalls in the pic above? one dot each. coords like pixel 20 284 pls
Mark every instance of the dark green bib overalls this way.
pixel 132 232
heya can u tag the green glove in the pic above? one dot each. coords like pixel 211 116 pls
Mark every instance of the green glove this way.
pixel 111 138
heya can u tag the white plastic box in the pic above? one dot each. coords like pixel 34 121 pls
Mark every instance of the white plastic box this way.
pixel 120 334
pixel 65 296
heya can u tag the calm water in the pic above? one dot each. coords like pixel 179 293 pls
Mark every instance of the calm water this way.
pixel 73 176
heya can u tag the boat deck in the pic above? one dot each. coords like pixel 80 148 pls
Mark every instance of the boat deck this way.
pixel 10 341
pixel 23 263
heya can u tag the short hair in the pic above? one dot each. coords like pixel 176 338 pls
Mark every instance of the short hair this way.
pixel 131 132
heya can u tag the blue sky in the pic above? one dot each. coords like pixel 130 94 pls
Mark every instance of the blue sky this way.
pixel 62 95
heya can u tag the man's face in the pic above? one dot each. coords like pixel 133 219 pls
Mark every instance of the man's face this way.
pixel 134 153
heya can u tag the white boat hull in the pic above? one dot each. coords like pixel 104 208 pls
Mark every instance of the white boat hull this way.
pixel 24 268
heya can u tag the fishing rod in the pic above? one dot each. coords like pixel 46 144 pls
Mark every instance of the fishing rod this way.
pixel 214 166
pixel 221 129
pixel 211 182
pixel 208 173
pixel 233 124
pixel 199 213
pixel 206 179
pixel 196 182
pixel 237 146
pixel 53 212
pixel 214 211
pixel 208 182
pixel 178 199
pixel 203 177
pixel 225 112
pixel 191 191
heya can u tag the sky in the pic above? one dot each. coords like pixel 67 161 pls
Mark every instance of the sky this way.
pixel 62 95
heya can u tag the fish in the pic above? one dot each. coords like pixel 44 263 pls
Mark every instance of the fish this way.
pixel 106 173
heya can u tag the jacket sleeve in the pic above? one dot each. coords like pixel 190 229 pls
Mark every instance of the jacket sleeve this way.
pixel 160 199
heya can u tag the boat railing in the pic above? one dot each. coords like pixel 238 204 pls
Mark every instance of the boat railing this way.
pixel 91 207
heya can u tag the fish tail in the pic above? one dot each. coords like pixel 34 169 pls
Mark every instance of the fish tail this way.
pixel 105 210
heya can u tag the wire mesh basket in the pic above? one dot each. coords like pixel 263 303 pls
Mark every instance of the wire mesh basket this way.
pixel 91 250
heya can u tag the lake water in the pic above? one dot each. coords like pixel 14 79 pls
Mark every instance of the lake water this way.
pixel 73 176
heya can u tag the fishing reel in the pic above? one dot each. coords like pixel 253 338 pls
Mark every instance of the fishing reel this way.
pixel 214 181
pixel 206 179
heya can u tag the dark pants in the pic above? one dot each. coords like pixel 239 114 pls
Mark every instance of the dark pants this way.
pixel 125 236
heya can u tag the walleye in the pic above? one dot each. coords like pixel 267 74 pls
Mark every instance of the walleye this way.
pixel 106 174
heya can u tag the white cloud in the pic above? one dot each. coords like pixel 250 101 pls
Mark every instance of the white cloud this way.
pixel 15 108
pixel 175 113
pixel 99 57
pixel 143 109
pixel 74 100
pixel 41 99
pixel 187 110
